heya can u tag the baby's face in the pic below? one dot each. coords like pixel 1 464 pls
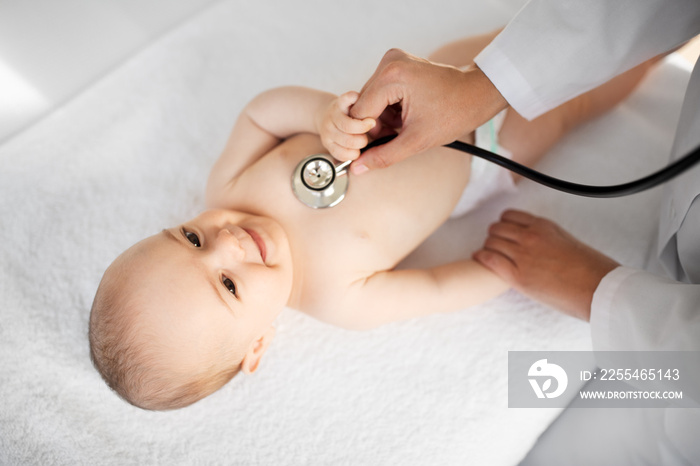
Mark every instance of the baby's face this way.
pixel 222 276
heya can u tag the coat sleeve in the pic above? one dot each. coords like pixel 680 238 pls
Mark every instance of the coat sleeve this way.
pixel 634 310
pixel 554 50
pixel 637 311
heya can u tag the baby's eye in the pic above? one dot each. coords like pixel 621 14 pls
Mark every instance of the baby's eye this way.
pixel 228 283
pixel 192 238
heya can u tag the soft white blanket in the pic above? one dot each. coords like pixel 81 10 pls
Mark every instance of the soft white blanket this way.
pixel 130 155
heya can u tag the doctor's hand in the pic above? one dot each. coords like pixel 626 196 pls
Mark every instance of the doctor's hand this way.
pixel 541 260
pixel 428 104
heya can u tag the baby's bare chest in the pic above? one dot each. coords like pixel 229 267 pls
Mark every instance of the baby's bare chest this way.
pixel 383 217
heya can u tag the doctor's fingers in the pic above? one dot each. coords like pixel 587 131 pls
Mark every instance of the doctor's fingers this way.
pixel 512 261
pixel 530 231
pixel 533 238
pixel 507 248
pixel 510 231
pixel 519 217
pixel 498 263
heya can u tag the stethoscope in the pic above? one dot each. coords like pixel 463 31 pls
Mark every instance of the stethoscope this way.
pixel 319 182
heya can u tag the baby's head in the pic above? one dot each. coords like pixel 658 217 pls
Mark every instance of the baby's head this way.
pixel 178 314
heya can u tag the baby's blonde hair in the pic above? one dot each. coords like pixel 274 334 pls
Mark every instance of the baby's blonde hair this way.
pixel 129 361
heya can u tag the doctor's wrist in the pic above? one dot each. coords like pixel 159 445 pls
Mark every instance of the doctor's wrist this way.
pixel 481 100
pixel 600 267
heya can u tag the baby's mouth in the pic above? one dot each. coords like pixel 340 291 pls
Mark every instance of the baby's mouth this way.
pixel 257 239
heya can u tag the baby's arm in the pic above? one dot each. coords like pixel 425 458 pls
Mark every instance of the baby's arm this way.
pixel 404 294
pixel 267 119
pixel 270 118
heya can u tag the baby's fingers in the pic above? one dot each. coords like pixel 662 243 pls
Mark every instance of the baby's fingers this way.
pixel 344 122
pixel 332 137
pixel 343 153
pixel 346 100
pixel 348 125
pixel 350 141
pixel 346 147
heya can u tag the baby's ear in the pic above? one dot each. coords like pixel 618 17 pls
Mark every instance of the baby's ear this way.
pixel 257 348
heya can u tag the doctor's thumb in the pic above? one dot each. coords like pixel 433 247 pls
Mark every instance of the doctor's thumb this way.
pixel 381 156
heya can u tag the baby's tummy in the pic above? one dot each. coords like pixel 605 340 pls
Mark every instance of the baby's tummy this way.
pixel 400 206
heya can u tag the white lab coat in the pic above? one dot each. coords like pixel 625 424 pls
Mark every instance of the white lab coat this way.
pixel 554 50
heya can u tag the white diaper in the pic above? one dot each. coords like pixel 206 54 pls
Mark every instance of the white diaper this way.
pixel 486 179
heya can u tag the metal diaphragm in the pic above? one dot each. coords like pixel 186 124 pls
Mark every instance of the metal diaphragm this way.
pixel 316 182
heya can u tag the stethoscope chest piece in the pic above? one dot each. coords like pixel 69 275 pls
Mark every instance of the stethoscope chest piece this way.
pixel 318 183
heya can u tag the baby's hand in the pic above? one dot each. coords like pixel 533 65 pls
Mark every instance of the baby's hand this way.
pixel 341 134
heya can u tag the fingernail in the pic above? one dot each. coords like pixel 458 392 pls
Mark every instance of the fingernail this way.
pixel 359 169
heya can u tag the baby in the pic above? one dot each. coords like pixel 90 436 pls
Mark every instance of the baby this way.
pixel 178 314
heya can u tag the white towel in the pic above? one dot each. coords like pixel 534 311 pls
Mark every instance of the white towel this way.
pixel 130 155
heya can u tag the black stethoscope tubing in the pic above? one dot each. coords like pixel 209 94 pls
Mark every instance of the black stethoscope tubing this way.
pixel 625 189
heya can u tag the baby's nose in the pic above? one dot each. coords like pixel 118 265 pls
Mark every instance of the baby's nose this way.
pixel 228 245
